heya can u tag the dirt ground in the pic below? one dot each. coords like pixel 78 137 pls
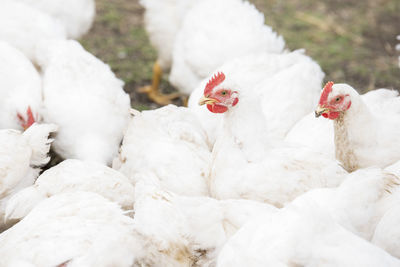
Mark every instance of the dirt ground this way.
pixel 353 41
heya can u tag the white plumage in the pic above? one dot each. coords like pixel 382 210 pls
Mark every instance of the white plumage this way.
pixel 288 84
pixel 214 32
pixel 75 15
pixel 316 134
pixel 20 88
pixel 79 229
pixel 387 233
pixel 85 229
pixel 83 96
pixel 69 176
pixel 24 26
pixel 367 134
pixel 170 144
pixel 21 156
pixel 163 20
pixel 193 228
pixel 301 234
pixel 360 201
pixel 249 161
pixel 173 158
pixel 272 175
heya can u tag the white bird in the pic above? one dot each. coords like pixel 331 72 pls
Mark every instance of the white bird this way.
pixel 162 20
pixel 193 229
pixel 83 96
pixel 387 234
pixel 21 156
pixel 359 203
pixel 288 84
pixel 301 234
pixel 366 133
pixel 75 15
pixel 74 229
pixel 85 229
pixel 169 143
pixel 23 26
pixel 319 134
pixel 248 162
pixel 206 39
pixel 70 176
pixel 20 90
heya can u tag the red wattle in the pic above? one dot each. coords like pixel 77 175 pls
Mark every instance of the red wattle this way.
pixel 235 101
pixel 333 115
pixel 31 119
pixel 215 108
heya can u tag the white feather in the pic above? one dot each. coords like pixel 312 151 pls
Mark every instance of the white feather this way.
pixel 207 39
pixel 170 144
pixel 24 26
pixel 21 156
pixel 70 176
pixel 75 15
pixel 20 87
pixel 83 96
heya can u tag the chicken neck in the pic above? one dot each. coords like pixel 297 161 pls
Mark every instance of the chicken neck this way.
pixel 353 130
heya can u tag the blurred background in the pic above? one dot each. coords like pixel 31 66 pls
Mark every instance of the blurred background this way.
pixel 353 41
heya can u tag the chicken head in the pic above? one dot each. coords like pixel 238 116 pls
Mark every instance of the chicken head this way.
pixel 218 98
pixel 332 102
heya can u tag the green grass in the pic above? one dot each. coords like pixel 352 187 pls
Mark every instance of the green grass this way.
pixel 352 40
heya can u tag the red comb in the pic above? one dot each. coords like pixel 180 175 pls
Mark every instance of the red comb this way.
pixel 325 92
pixel 214 81
pixel 31 119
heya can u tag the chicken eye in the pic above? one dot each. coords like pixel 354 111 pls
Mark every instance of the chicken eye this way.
pixel 223 93
pixel 337 99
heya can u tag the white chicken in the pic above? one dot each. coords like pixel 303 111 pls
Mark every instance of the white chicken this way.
pixel 288 84
pixel 313 133
pixel 69 176
pixel 387 234
pixel 206 39
pixel 259 167
pixel 162 21
pixel 193 228
pixel 170 143
pixel 75 15
pixel 21 156
pixel 364 134
pixel 319 134
pixel 85 229
pixel 23 26
pixel 74 229
pixel 20 90
pixel 359 203
pixel 301 234
pixel 87 101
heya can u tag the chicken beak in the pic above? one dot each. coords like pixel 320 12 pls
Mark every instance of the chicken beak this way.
pixel 320 110
pixel 207 100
